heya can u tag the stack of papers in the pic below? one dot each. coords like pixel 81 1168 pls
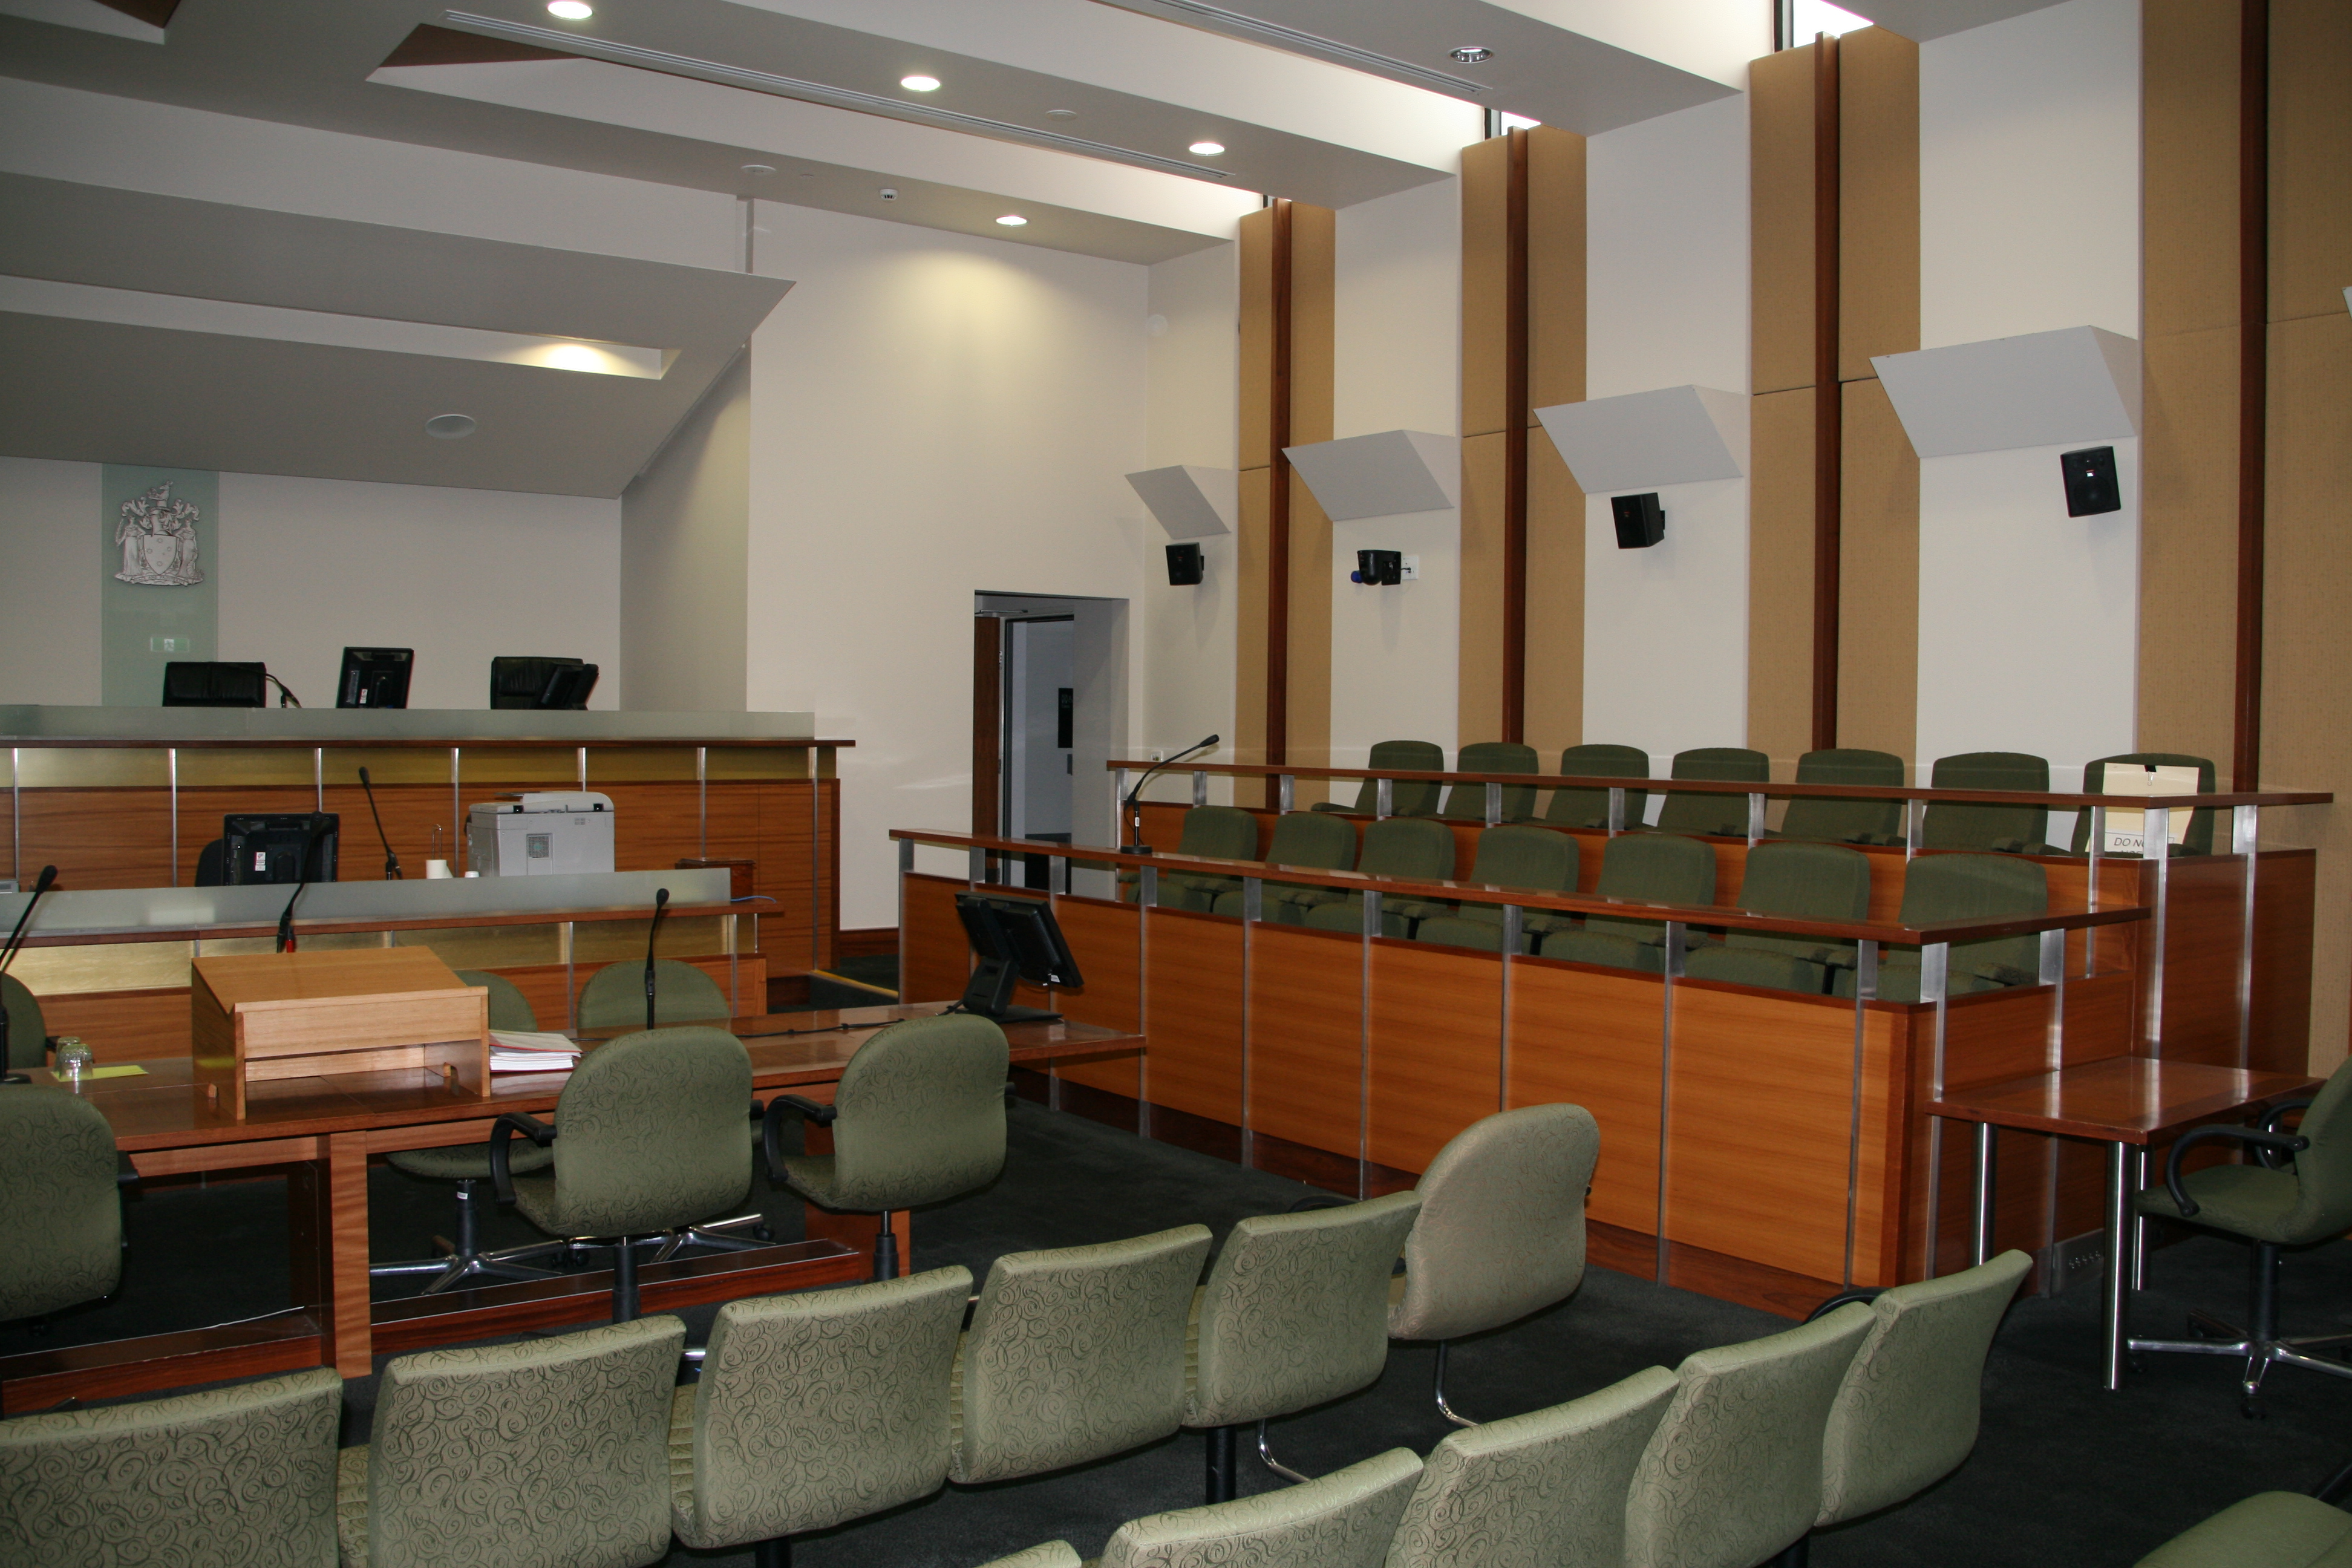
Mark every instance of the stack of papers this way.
pixel 523 1051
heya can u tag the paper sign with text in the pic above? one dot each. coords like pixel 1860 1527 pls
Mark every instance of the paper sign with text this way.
pixel 2127 829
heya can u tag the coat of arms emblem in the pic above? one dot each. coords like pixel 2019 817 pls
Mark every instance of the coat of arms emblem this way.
pixel 157 536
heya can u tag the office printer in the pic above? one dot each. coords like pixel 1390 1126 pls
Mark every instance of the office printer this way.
pixel 544 833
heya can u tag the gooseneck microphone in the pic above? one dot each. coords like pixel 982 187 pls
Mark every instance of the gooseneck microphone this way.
pixel 302 884
pixel 661 907
pixel 1135 812
pixel 392 872
pixel 8 955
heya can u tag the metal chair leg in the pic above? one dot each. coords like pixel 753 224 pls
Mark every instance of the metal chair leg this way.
pixel 1265 1456
pixel 1799 1554
pixel 886 1250
pixel 776 1553
pixel 1442 1408
pixel 1222 1475
pixel 624 1282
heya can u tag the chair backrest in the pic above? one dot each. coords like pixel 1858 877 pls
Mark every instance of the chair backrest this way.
pixel 1803 882
pixel 920 1114
pixel 1407 797
pixel 510 1009
pixel 2324 1171
pixel 2200 840
pixel 1295 1310
pixel 1501 1230
pixel 27 1030
pixel 1344 1519
pixel 217 1479
pixel 60 1213
pixel 1590 807
pixel 614 996
pixel 1725 814
pixel 818 1406
pixel 1219 832
pixel 541 1451
pixel 1467 802
pixel 1546 1489
pixel 1907 1414
pixel 1313 840
pixel 1408 847
pixel 1733 1473
pixel 1074 1355
pixel 1841 820
pixel 652 1132
pixel 1535 858
pixel 1979 887
pixel 1951 825
pixel 1653 868
pixel 517 679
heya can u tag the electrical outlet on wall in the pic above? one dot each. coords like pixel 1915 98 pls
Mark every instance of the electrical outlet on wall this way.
pixel 1411 571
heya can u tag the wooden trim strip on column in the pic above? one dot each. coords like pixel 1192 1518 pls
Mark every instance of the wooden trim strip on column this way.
pixel 2254 377
pixel 1277 608
pixel 1829 423
pixel 1516 415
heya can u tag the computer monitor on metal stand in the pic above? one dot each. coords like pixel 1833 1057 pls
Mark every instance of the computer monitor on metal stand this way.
pixel 1014 940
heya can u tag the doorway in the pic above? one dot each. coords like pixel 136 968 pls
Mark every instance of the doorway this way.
pixel 1049 692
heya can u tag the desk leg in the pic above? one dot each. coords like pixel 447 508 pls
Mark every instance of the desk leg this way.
pixel 2125 1166
pixel 1987 1142
pixel 349 1344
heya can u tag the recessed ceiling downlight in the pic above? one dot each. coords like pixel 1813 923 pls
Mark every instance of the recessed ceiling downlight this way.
pixel 919 83
pixel 1472 54
pixel 1012 220
pixel 450 426
pixel 571 10
pixel 1205 149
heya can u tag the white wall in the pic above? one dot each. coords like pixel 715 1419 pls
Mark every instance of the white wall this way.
pixel 685 528
pixel 48 582
pixel 932 416
pixel 1396 365
pixel 1666 630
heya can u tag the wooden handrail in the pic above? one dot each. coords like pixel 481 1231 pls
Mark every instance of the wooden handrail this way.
pixel 1573 903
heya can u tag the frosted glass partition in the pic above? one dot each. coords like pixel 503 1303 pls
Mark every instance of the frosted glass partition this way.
pixel 195 726
pixel 117 911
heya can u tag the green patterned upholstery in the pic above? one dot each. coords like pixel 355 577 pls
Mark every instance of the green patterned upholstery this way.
pixel 1512 855
pixel 1733 1474
pixel 1295 1311
pixel 2269 1529
pixel 1542 1490
pixel 650 1136
pixel 548 1453
pixel 231 1478
pixel 1415 847
pixel 1951 825
pixel 1956 887
pixel 918 1119
pixel 1842 819
pixel 1590 807
pixel 1050 1554
pixel 510 1009
pixel 1218 833
pixel 1452 931
pixel 816 1407
pixel 1311 840
pixel 2200 840
pixel 27 1034
pixel 60 1211
pixel 1806 881
pixel 1344 1519
pixel 1407 797
pixel 1074 1355
pixel 1725 815
pixel 614 996
pixel 1640 868
pixel 2309 1200
pixel 1906 1414
pixel 1501 1232
pixel 1467 802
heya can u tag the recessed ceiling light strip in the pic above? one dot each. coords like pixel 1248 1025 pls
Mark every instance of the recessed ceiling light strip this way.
pixel 815 92
pixel 1219 19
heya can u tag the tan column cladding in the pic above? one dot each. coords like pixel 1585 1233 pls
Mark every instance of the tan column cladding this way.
pixel 1310 640
pixel 1878 602
pixel 1555 603
pixel 1780 577
pixel 1250 547
pixel 1878 199
pixel 1555 304
pixel 1485 266
pixel 1781 222
pixel 1480 700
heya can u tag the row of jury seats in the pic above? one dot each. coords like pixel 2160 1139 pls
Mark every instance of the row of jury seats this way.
pixel 1786 877
pixel 1947 824
pixel 818 1407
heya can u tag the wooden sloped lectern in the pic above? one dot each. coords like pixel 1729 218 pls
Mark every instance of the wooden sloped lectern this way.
pixel 262 1017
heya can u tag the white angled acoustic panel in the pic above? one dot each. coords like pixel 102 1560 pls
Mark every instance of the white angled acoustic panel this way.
pixel 2043 389
pixel 1674 436
pixel 1392 474
pixel 1190 502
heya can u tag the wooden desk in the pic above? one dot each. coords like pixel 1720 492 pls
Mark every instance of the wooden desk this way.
pixel 327 1127
pixel 2128 1103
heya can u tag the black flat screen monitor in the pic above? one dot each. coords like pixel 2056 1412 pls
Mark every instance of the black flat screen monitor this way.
pixel 278 846
pixel 187 684
pixel 1014 940
pixel 567 686
pixel 374 677
pixel 519 680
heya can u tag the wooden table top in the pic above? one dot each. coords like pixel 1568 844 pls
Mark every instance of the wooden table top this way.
pixel 2122 1099
pixel 167 1107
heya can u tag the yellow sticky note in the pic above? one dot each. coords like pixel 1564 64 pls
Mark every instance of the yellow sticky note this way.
pixel 116 1072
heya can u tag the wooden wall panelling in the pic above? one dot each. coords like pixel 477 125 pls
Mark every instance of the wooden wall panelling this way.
pixel 654 825
pixel 1780 575
pixel 2298 985
pixel 2311 145
pixel 1312 315
pixel 100 837
pixel 1193 977
pixel 1487 358
pixel 411 814
pixel 1885 1157
pixel 1479 677
pixel 1105 938
pixel 1878 198
pixel 1308 740
pixel 785 872
pixel 1780 150
pixel 935 958
pixel 1556 271
pixel 1313 321
pixel 1305 1057
pixel 1591 1037
pixel 2203 935
pixel 1436 1049
pixel 1486 264
pixel 123 1026
pixel 1878 614
pixel 1555 578
pixel 1253 546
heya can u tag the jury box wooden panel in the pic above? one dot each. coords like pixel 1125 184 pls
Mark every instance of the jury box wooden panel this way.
pixel 1590 1037
pixel 1193 974
pixel 1306 1060
pixel 1436 1049
pixel 1105 939
pixel 935 958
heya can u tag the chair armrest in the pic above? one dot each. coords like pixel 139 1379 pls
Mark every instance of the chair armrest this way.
pixel 2270 1121
pixel 773 1126
pixel 2289 1143
pixel 502 1157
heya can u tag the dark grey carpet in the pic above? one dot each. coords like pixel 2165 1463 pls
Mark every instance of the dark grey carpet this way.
pixel 2065 1472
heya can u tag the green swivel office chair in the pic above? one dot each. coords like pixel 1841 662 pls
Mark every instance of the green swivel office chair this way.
pixel 1956 887
pixel 1217 832
pixel 1416 847
pixel 1799 881
pixel 61 1202
pixel 28 1042
pixel 2269 1529
pixel 1540 859
pixel 1590 807
pixel 2199 837
pixel 1722 815
pixel 1467 802
pixel 1639 867
pixel 1407 797
pixel 614 996
pixel 1315 841
pixel 2010 829
pixel 1841 819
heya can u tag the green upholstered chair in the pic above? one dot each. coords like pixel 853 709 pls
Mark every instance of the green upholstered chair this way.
pixel 2305 1201
pixel 1639 867
pixel 614 996
pixel 1546 1489
pixel 1407 797
pixel 1590 807
pixel 1964 886
pixel 549 1453
pixel 1501 1230
pixel 917 1118
pixel 2011 829
pixel 1724 815
pixel 1074 1355
pixel 1514 856
pixel 2200 839
pixel 1733 1474
pixel 2269 1529
pixel 1843 819
pixel 1046 1555
pixel 230 1478
pixel 1308 839
pixel 1467 802
pixel 1294 1313
pixel 60 1203
pixel 648 1139
pixel 27 1033
pixel 1801 881
pixel 815 1407
pixel 510 1009
pixel 1416 847
pixel 1217 832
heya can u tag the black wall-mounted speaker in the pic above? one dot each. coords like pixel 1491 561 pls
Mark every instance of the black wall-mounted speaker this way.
pixel 1641 520
pixel 1378 568
pixel 2091 484
pixel 1186 565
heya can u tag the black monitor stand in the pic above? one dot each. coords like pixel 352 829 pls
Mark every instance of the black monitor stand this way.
pixel 990 994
